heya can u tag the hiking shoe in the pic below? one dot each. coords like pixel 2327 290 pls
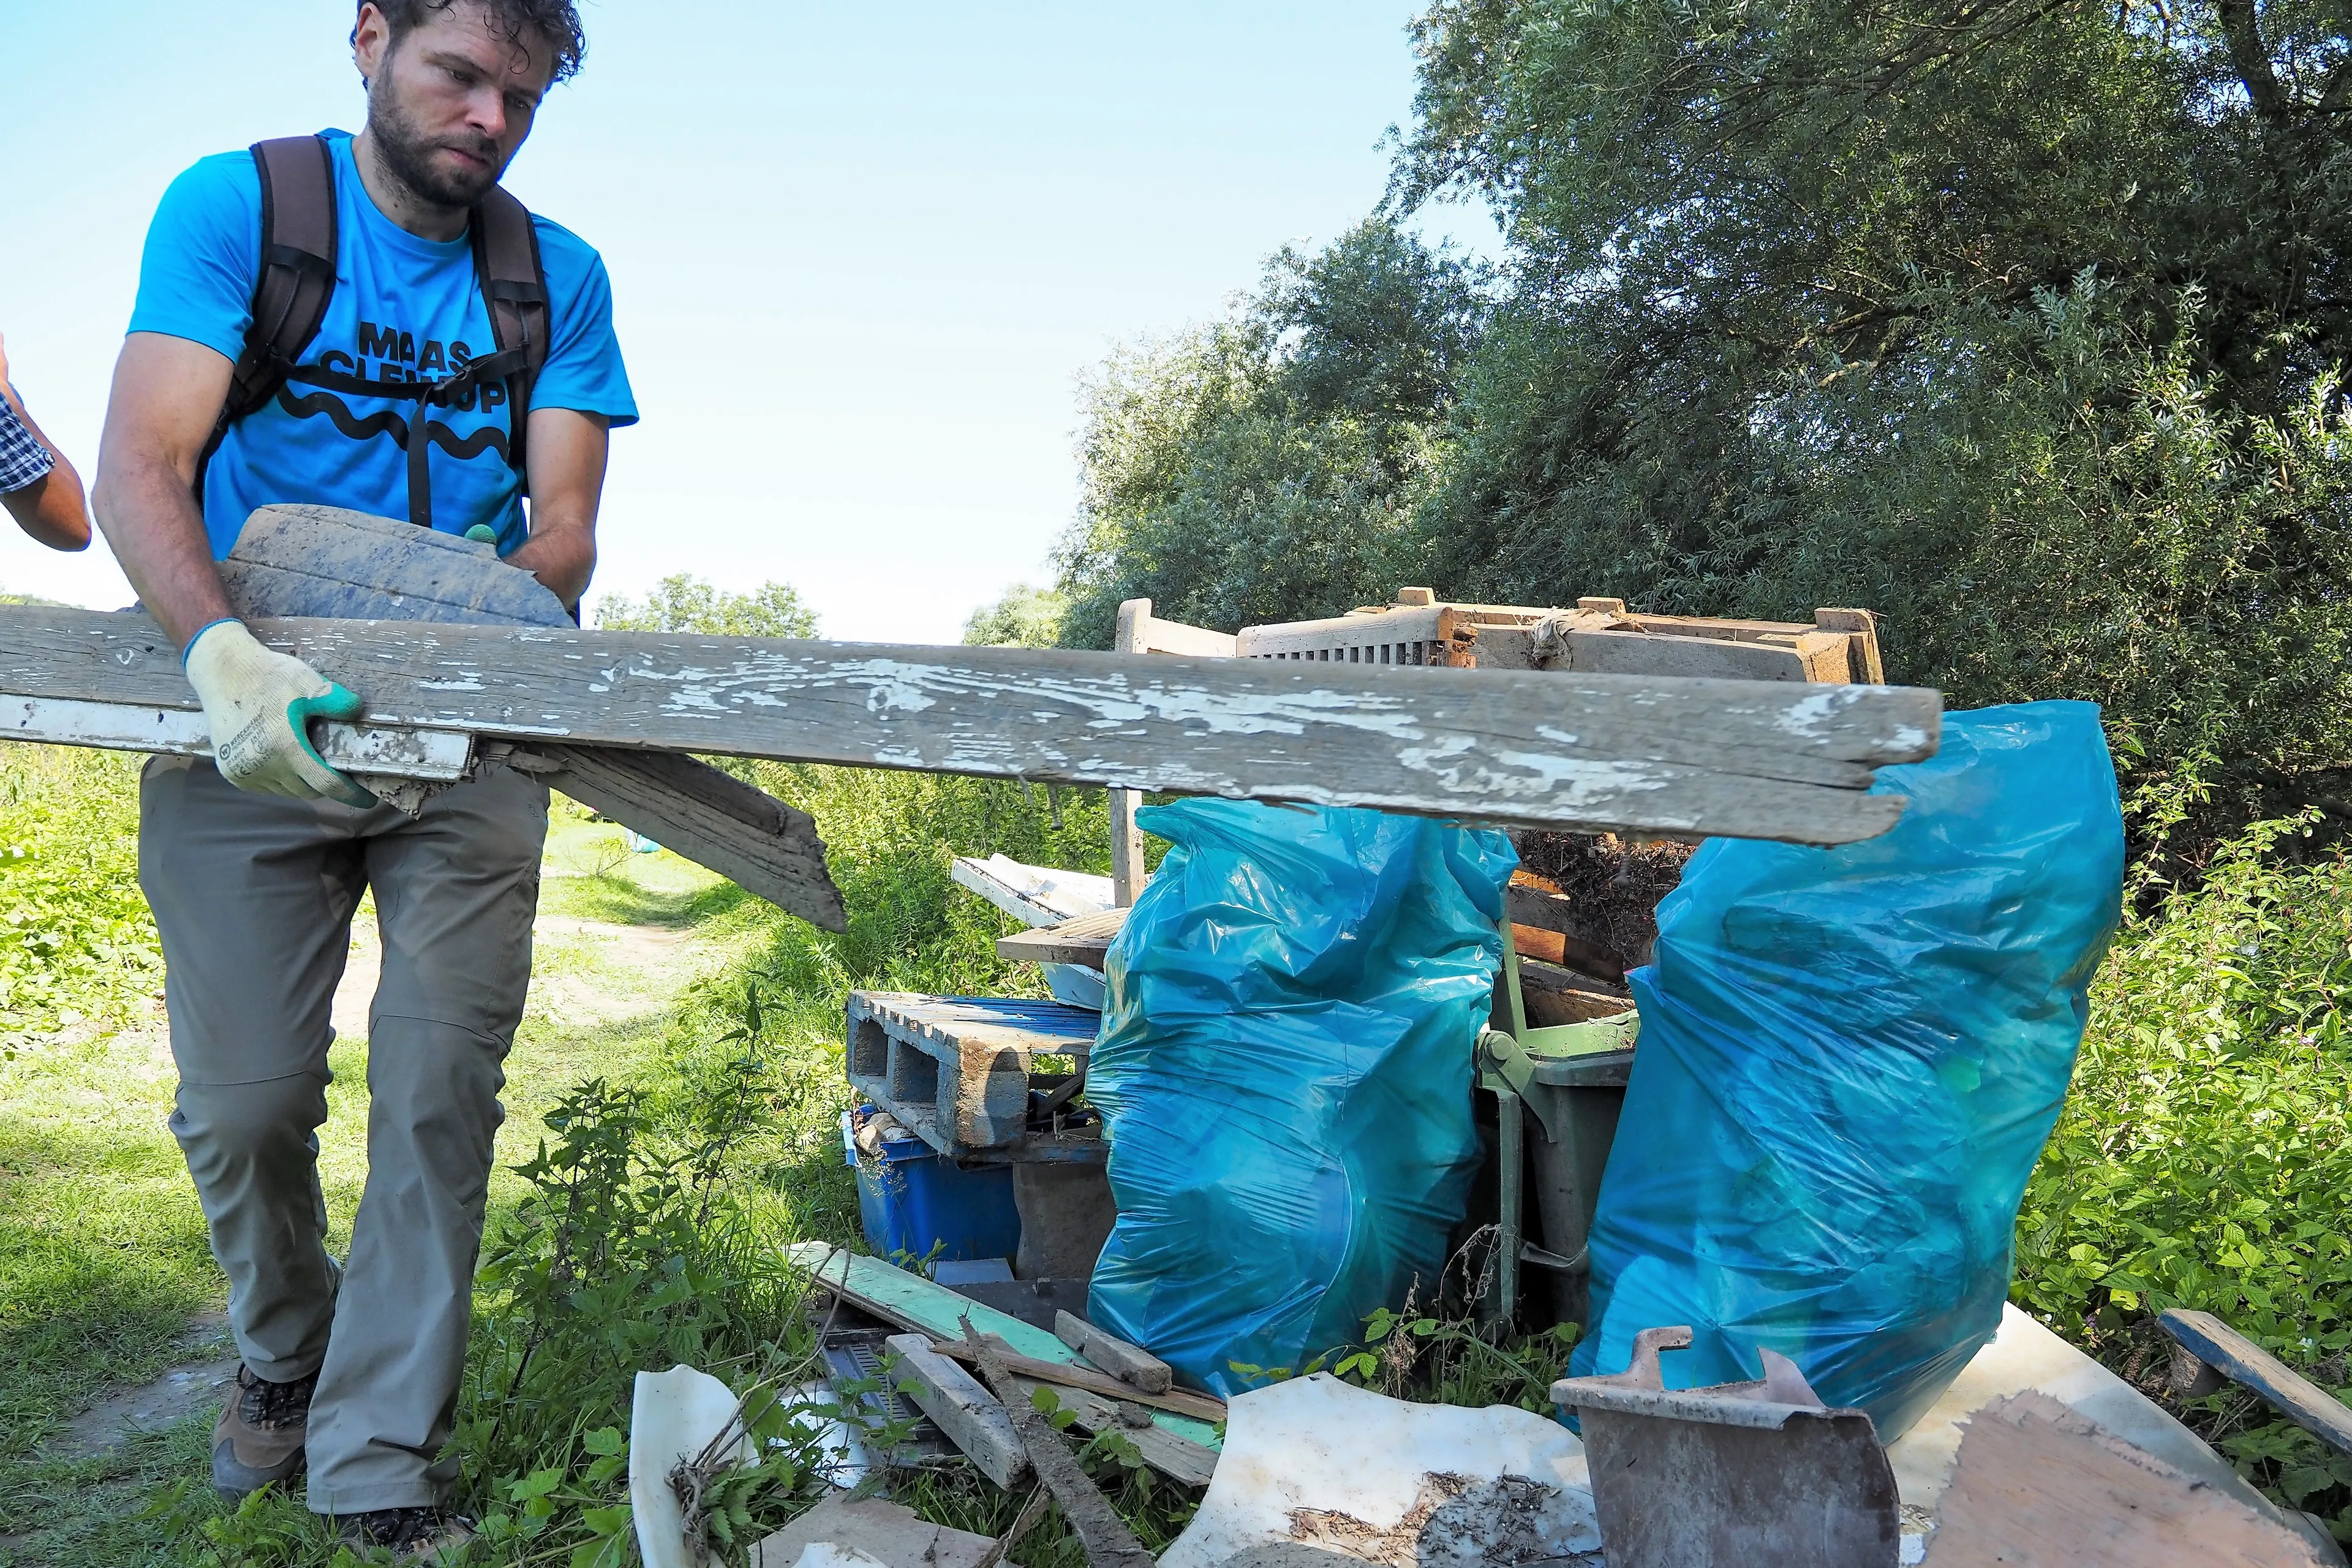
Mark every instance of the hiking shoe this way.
pixel 414 1534
pixel 259 1436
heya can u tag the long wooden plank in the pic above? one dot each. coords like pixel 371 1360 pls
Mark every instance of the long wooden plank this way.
pixel 1757 760
pixel 317 561
pixel 2242 1360
pixel 912 1301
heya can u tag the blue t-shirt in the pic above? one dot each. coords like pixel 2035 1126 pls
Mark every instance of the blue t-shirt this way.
pixel 404 308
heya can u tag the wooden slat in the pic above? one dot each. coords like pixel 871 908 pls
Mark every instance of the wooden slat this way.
pixel 743 834
pixel 1133 1365
pixel 1180 1401
pixel 1083 941
pixel 912 1301
pixel 1586 753
pixel 971 1417
pixel 2242 1360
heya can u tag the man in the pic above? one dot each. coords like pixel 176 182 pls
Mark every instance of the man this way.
pixel 255 863
pixel 37 486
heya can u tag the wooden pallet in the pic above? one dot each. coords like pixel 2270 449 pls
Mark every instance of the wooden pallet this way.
pixel 1596 636
pixel 956 1071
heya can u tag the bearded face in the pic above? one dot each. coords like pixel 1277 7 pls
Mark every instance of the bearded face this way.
pixel 451 99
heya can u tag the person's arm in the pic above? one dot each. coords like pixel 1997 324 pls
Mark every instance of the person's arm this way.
pixel 258 703
pixel 50 510
pixel 167 393
pixel 566 463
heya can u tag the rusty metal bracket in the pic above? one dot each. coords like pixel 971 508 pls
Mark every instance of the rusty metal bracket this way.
pixel 1738 1475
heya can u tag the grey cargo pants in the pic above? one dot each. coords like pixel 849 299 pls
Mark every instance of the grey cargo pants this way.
pixel 253 897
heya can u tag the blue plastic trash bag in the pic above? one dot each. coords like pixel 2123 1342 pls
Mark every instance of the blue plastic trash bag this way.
pixel 1284 1070
pixel 1849 1060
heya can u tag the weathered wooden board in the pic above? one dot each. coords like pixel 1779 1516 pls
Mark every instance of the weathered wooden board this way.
pixel 971 1417
pixel 2039 1486
pixel 1083 941
pixel 1752 759
pixel 2242 1360
pixel 912 1301
pixel 1063 1374
pixel 1131 1363
pixel 1034 895
pixel 710 817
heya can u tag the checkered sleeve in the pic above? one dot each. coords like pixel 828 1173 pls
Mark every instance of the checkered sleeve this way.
pixel 23 459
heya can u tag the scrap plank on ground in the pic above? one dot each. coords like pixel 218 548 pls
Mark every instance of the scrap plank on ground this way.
pixel 1085 942
pixel 2238 1358
pixel 1130 1363
pixel 1181 1401
pixel 912 1301
pixel 1759 760
pixel 970 1415
pixel 1109 1543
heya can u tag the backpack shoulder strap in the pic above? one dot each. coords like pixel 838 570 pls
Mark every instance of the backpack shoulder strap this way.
pixel 514 287
pixel 297 277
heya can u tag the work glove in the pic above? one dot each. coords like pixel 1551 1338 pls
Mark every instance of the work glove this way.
pixel 259 705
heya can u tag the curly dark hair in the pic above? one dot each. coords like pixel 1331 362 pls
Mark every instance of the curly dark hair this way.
pixel 554 20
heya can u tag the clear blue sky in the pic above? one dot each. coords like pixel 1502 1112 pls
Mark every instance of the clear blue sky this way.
pixel 860 254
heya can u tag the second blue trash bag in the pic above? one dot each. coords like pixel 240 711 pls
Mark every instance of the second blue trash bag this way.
pixel 1284 1071
pixel 1849 1060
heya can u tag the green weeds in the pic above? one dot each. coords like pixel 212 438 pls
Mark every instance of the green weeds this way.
pixel 2206 1148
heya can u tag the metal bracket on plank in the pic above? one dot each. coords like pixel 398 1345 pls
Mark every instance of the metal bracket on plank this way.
pixel 426 756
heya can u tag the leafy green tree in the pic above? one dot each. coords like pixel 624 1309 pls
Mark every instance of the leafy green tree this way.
pixel 1024 617
pixel 1263 467
pixel 2023 321
pixel 685 603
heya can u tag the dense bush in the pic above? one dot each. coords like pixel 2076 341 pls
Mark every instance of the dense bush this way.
pixel 2207 1146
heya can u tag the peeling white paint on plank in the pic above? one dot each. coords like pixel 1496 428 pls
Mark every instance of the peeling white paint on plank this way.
pixel 1744 759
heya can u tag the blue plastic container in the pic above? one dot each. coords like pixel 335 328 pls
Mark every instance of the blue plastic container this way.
pixel 913 1201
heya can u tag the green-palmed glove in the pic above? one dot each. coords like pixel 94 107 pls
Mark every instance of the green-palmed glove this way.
pixel 259 705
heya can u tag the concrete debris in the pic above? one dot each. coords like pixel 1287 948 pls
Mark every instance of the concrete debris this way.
pixel 1316 1472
